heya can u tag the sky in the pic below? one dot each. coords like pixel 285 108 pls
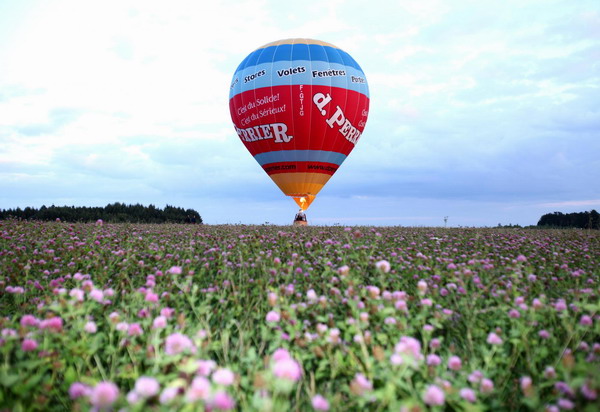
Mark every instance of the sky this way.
pixel 484 112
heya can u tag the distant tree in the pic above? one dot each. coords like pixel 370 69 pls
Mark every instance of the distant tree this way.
pixel 114 212
pixel 594 219
pixel 582 220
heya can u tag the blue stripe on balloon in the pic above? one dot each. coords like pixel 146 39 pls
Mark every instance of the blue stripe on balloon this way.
pixel 287 52
pixel 300 156
pixel 271 77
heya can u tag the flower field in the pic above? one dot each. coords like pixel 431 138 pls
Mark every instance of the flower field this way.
pixel 266 318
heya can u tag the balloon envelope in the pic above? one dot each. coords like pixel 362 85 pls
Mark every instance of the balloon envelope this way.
pixel 299 106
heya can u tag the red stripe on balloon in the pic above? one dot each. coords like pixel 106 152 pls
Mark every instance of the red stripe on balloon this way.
pixel 300 167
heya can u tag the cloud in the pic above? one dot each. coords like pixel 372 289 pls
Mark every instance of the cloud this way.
pixel 492 103
pixel 577 203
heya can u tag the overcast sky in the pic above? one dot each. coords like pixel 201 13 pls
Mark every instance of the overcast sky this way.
pixel 483 111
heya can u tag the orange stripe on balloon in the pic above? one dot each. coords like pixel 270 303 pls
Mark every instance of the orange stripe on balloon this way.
pixel 300 184
pixel 297 41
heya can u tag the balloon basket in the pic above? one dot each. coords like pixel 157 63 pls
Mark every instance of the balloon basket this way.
pixel 300 223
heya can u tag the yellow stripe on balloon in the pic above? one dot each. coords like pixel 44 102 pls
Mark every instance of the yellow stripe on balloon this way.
pixel 298 41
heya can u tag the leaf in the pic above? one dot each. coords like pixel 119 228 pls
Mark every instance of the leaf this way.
pixel 32 364
pixel 382 338
pixel 70 375
pixel 9 380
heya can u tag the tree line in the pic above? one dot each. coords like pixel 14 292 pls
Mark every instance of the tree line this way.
pixel 582 220
pixel 111 213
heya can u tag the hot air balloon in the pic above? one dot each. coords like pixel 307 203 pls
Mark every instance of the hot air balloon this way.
pixel 300 107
